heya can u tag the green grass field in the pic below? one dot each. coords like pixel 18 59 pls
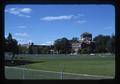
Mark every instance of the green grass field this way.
pixel 49 66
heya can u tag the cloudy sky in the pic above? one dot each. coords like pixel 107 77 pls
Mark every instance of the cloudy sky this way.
pixel 42 24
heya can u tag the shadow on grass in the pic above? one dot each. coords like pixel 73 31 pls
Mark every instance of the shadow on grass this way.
pixel 20 62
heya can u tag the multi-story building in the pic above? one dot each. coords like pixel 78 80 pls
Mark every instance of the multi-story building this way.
pixel 86 38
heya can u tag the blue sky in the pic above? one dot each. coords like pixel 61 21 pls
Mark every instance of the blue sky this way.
pixel 43 24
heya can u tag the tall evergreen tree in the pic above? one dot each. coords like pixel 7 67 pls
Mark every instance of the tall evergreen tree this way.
pixel 11 45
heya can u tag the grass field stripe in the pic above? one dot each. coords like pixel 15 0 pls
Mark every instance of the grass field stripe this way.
pixel 63 72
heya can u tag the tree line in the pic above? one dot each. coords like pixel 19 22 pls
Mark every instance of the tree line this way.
pixel 101 44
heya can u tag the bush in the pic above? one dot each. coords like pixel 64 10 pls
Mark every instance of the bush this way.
pixel 85 50
pixel 79 51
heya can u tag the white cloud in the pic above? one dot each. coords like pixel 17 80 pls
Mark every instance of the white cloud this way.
pixel 6 10
pixel 27 16
pixel 21 34
pixel 22 15
pixel 78 16
pixel 21 27
pixel 81 21
pixel 47 43
pixel 53 18
pixel 6 35
pixel 29 41
pixel 81 15
pixel 26 10
pixel 19 39
pixel 22 42
pixel 107 28
pixel 22 12
pixel 14 11
pixel 62 17
pixel 43 44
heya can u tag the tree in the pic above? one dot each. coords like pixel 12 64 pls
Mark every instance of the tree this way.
pixel 45 50
pixel 113 43
pixel 38 50
pixel 79 51
pixel 100 42
pixel 57 45
pixel 110 46
pixel 92 45
pixel 85 50
pixel 63 46
pixel 75 39
pixel 22 49
pixel 87 47
pixel 31 48
pixel 11 45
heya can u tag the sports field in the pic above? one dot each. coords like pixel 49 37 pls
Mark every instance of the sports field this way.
pixel 56 66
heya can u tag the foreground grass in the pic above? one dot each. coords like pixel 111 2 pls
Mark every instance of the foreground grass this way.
pixel 93 65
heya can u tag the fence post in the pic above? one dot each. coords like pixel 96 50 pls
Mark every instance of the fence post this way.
pixel 23 74
pixel 61 74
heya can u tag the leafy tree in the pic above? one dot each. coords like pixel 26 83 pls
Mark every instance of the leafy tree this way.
pixel 92 47
pixel 39 50
pixel 57 45
pixel 63 46
pixel 101 42
pixel 11 44
pixel 45 50
pixel 79 51
pixel 110 46
pixel 22 49
pixel 31 48
pixel 113 43
pixel 75 39
pixel 85 50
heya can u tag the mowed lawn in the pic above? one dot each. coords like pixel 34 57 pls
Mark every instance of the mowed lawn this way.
pixel 80 64
pixel 86 64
